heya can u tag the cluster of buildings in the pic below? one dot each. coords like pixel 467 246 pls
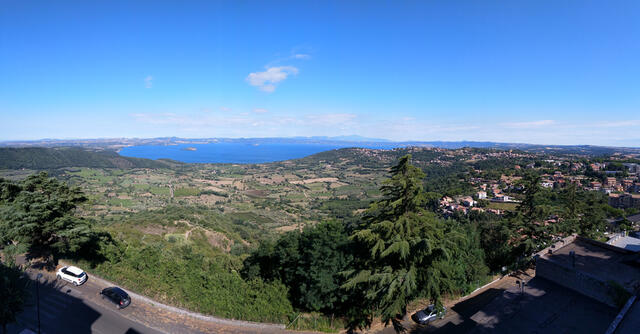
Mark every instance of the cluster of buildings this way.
pixel 621 184
pixel 463 204
pixel 624 193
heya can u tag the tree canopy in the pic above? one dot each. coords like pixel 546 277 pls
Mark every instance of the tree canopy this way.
pixel 308 263
pixel 13 294
pixel 39 213
pixel 407 251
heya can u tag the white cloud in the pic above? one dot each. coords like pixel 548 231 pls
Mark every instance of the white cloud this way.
pixel 301 56
pixel 148 81
pixel 260 110
pixel 266 81
pixel 225 109
pixel 526 125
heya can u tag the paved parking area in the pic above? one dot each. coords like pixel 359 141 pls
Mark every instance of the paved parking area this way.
pixel 544 307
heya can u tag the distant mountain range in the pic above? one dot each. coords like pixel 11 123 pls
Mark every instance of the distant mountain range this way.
pixel 115 144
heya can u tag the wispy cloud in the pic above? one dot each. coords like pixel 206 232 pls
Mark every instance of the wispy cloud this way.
pixel 331 119
pixel 301 56
pixel 276 124
pixel 616 124
pixel 225 109
pixel 236 124
pixel 528 125
pixel 267 80
pixel 148 81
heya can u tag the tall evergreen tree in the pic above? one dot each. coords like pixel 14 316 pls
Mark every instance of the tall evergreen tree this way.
pixel 593 222
pixel 401 242
pixel 528 226
pixel 529 208
pixel 571 210
pixel 570 201
pixel 39 212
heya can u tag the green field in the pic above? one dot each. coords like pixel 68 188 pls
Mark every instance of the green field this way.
pixel 503 206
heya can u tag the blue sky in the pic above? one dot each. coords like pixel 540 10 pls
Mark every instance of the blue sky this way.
pixel 547 72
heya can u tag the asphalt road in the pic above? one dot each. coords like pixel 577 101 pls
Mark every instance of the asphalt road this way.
pixel 65 308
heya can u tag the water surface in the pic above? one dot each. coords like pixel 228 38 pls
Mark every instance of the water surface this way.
pixel 242 153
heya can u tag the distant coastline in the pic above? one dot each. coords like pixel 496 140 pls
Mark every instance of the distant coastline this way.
pixel 234 152
pixel 122 144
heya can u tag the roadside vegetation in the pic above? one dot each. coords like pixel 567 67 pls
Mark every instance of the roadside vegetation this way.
pixel 13 293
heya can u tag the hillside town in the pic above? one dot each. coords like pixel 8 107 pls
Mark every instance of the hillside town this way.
pixel 619 181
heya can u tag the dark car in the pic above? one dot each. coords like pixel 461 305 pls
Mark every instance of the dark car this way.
pixel 430 313
pixel 116 296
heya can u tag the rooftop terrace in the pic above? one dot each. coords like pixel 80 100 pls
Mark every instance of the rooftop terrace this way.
pixel 598 260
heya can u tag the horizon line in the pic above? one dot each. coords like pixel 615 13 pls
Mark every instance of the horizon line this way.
pixel 327 138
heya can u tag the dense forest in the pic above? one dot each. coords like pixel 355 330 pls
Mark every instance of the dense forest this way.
pixel 40 158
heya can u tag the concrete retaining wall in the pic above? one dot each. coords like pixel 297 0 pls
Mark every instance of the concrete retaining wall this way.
pixel 577 281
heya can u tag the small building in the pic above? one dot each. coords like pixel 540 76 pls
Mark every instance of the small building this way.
pixel 627 184
pixel 482 195
pixel 623 201
pixel 467 201
pixel 502 198
pixel 546 184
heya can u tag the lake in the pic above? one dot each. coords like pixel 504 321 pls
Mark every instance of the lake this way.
pixel 240 153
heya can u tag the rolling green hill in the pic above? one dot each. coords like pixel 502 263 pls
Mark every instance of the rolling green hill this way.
pixel 50 158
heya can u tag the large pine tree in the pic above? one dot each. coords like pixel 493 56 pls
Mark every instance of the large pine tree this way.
pixel 528 226
pixel 39 213
pixel 401 242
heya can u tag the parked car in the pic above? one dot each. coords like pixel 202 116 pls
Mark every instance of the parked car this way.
pixel 430 313
pixel 72 274
pixel 116 296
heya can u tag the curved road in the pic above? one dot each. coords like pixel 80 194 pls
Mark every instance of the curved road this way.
pixel 65 308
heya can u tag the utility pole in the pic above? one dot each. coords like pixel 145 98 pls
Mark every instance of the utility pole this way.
pixel 38 298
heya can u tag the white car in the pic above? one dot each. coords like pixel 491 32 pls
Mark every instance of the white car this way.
pixel 429 314
pixel 72 274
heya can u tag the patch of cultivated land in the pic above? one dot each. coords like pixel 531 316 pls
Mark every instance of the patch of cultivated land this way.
pixel 275 196
pixel 280 190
